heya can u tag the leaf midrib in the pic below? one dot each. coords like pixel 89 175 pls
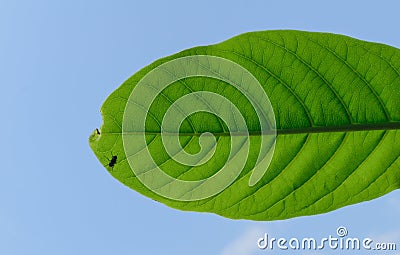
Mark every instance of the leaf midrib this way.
pixel 305 130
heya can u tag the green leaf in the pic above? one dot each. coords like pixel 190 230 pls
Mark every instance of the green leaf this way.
pixel 266 125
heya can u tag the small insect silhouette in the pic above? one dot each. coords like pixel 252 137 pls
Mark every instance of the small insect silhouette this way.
pixel 113 161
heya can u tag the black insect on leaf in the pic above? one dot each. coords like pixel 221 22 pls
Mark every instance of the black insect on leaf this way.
pixel 113 161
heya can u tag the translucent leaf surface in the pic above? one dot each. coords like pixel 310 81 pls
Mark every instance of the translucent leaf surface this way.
pixel 266 125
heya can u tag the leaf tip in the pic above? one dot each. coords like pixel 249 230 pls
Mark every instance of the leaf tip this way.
pixel 94 136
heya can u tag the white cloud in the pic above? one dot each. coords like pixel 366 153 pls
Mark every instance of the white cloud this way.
pixel 388 237
pixel 245 244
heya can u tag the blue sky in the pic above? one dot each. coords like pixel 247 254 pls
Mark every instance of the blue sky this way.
pixel 58 62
